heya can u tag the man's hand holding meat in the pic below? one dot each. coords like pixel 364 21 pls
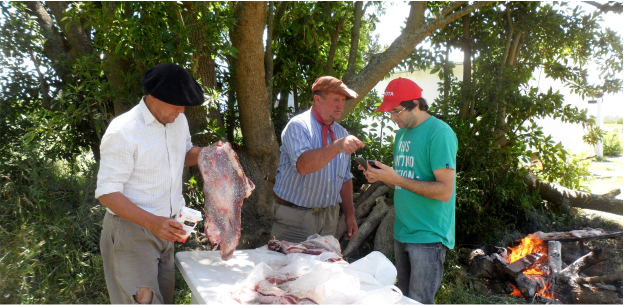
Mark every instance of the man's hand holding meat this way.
pixel 313 178
pixel 143 153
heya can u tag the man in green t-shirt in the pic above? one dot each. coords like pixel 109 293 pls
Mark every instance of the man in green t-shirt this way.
pixel 423 176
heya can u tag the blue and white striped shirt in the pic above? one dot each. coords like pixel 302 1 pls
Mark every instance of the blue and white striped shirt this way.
pixel 315 190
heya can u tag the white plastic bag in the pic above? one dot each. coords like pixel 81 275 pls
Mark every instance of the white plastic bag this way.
pixel 324 280
pixel 375 269
pixel 385 295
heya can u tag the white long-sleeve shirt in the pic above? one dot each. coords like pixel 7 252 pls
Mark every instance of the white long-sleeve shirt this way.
pixel 143 159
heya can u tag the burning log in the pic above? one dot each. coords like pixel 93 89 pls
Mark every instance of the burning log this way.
pixel 526 262
pixel 565 198
pixel 489 262
pixel 368 226
pixel 362 208
pixel 529 285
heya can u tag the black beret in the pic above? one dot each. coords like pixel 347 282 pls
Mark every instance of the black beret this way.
pixel 173 85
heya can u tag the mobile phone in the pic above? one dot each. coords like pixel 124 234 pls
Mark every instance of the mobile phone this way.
pixel 372 163
pixel 362 162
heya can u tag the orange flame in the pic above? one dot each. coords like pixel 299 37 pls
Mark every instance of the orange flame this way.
pixel 528 245
pixel 516 292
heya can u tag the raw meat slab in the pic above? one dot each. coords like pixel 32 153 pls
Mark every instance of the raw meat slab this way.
pixel 225 187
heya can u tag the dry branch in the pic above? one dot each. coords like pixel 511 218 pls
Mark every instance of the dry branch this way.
pixel 384 237
pixel 362 210
pixel 368 226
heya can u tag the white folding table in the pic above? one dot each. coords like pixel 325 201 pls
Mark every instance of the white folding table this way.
pixel 212 280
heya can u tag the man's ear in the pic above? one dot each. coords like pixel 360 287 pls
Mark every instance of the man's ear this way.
pixel 317 98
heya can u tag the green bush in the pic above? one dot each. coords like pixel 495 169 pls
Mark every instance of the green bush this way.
pixel 612 145
pixel 50 232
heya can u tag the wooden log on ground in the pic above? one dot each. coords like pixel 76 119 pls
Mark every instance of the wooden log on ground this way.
pixel 369 226
pixel 576 235
pixel 384 237
pixel 601 279
pixel 565 198
pixel 367 192
pixel 491 266
pixel 362 210
pixel 568 289
pixel 554 256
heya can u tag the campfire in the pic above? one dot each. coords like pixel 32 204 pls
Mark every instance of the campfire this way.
pixel 534 269
pixel 538 271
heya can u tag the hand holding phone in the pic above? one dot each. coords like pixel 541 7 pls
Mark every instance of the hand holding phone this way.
pixel 372 163
pixel 365 163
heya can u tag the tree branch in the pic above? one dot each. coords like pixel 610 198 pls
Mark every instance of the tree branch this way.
pixel 615 7
pixel 358 12
pixel 42 82
pixel 75 33
pixel 416 30
pixel 55 47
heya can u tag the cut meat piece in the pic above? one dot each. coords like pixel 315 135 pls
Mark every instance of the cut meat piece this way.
pixel 272 290
pixel 225 187
pixel 313 246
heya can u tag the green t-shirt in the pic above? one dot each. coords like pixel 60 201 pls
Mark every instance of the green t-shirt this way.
pixel 418 152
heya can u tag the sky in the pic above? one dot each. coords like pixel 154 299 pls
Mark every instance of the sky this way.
pixel 389 28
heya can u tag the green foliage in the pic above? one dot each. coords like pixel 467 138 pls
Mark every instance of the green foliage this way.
pixel 374 130
pixel 565 169
pixel 500 132
pixel 612 145
pixel 50 232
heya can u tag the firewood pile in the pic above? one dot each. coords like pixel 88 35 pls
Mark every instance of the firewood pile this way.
pixel 374 216
pixel 576 267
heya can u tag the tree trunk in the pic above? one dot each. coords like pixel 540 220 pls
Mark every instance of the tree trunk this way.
pixel 113 65
pixel 565 198
pixel 358 13
pixel 447 77
pixel 464 112
pixel 204 69
pixel 260 153
pixel 55 47
pixel 416 30
pixel 231 102
pixel 333 47
pixel 296 98
pixel 268 55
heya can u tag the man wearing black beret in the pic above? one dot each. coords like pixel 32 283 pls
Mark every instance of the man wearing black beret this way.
pixel 143 153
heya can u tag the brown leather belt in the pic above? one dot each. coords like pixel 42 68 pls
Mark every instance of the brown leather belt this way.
pixel 283 202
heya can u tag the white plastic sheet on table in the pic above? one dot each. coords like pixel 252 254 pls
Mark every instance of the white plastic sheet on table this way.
pixel 213 280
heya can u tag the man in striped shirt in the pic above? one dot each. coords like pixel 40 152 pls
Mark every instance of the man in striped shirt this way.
pixel 313 178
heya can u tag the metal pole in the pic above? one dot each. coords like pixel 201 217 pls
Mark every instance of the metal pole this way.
pixel 599 123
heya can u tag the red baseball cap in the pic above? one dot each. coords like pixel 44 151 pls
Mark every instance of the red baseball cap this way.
pixel 397 91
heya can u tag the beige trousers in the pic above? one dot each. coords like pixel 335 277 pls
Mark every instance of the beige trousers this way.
pixel 295 225
pixel 134 258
